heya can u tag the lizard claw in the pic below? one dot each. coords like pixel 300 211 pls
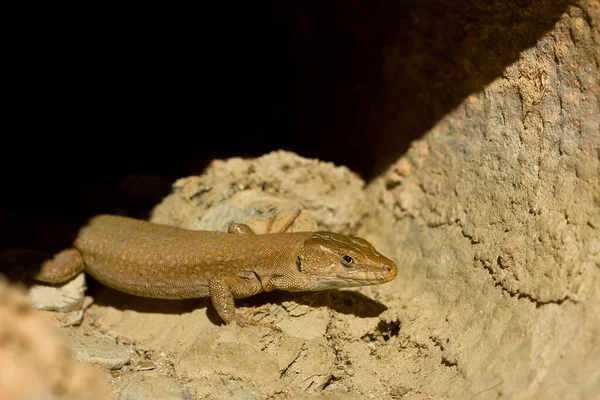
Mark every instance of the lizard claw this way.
pixel 243 319
pixel 245 322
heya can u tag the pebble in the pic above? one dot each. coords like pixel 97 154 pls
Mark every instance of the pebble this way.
pixel 99 350
pixel 151 386
pixel 65 298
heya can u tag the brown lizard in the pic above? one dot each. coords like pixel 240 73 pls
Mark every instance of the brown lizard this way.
pixel 167 262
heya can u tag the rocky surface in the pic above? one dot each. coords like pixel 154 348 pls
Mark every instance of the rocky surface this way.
pixel 492 216
pixel 445 326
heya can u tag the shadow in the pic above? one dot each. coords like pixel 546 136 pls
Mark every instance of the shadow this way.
pixel 108 297
pixel 353 82
pixel 346 81
pixel 343 302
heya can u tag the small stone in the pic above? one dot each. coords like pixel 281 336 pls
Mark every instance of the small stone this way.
pixel 117 374
pixel 151 386
pixel 146 365
pixel 65 298
pixel 71 318
pixel 103 351
pixel 219 388
pixel 111 334
pixel 338 374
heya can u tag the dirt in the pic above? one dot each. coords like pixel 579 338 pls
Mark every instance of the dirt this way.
pixel 493 217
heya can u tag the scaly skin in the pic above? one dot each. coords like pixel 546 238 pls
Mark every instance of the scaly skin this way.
pixel 160 261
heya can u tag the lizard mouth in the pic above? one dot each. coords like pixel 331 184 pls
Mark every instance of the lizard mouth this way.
pixel 359 279
pixel 375 278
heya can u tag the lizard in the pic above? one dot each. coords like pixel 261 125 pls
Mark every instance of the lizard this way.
pixel 162 261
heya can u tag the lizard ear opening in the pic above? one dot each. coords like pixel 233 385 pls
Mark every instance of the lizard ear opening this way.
pixel 299 264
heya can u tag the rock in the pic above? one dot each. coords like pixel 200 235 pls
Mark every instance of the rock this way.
pixel 98 350
pixel 152 386
pixel 68 297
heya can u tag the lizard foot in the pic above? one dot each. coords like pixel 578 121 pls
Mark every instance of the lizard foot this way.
pixel 244 319
pixel 245 322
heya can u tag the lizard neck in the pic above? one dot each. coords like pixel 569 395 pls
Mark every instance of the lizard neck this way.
pixel 276 259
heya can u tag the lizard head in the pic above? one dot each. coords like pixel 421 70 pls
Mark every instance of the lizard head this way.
pixel 333 261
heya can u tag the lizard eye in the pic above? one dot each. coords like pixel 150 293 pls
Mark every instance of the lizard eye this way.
pixel 347 261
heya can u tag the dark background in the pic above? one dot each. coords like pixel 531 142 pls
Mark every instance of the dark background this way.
pixel 97 99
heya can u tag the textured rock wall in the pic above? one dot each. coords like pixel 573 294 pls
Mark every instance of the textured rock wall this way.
pixel 497 215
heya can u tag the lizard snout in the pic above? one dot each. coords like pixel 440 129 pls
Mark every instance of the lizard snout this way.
pixel 390 270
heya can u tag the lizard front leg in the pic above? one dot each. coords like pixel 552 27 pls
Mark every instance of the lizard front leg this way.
pixel 223 290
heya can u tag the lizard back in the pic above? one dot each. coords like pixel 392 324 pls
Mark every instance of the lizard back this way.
pixel 162 261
